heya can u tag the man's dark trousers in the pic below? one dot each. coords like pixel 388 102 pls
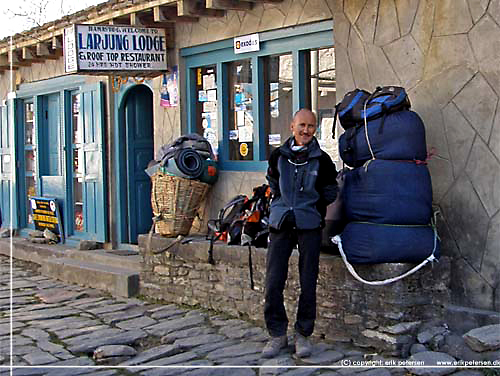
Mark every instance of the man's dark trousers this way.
pixel 280 248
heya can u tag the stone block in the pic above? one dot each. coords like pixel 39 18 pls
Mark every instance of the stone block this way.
pixel 407 59
pixel 86 245
pixel 484 172
pixel 469 224
pixel 460 136
pixel 387 24
pixel 452 17
pixel 485 338
pixel 487 53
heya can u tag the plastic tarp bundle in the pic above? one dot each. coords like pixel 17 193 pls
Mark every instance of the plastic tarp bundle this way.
pixel 369 243
pixel 397 136
pixel 393 192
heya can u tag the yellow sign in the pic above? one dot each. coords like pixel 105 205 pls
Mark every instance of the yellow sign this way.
pixel 45 212
pixel 198 77
pixel 243 149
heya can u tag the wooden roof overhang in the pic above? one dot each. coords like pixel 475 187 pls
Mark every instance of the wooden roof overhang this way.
pixel 46 42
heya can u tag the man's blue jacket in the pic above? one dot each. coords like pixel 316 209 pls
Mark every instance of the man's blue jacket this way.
pixel 303 183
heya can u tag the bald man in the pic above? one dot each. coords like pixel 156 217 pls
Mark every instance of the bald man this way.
pixel 302 178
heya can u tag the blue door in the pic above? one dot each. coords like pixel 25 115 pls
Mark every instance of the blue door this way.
pixel 139 134
pixel 50 151
pixel 95 210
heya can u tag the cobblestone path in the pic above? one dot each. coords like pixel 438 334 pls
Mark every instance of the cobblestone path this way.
pixel 56 325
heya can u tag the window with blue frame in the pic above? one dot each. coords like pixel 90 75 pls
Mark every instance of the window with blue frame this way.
pixel 30 154
pixel 77 163
pixel 244 103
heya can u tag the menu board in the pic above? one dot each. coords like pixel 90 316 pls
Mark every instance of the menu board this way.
pixel 45 213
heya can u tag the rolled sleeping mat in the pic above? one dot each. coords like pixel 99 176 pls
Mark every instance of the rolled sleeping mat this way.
pixel 396 136
pixel 186 163
pixel 369 243
pixel 210 172
pixel 189 162
pixel 394 192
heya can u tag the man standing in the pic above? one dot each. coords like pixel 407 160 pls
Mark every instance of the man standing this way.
pixel 302 178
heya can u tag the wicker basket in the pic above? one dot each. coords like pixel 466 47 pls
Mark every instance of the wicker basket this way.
pixel 175 202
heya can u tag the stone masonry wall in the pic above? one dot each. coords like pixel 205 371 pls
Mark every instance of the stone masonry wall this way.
pixel 446 54
pixel 384 318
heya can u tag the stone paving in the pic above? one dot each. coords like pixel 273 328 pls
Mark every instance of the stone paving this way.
pixel 56 325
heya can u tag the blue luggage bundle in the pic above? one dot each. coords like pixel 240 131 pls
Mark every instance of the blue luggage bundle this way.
pixel 387 197
pixel 397 136
pixel 392 192
pixel 369 243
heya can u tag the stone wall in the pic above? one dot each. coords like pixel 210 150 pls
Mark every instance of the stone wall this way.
pixel 382 317
pixel 446 54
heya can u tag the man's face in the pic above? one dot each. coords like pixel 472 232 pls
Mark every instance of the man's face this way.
pixel 303 127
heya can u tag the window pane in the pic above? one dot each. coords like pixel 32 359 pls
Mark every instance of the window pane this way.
pixel 279 100
pixel 6 169
pixel 77 124
pixel 206 105
pixel 241 121
pixel 323 97
pixel 29 124
pixel 30 155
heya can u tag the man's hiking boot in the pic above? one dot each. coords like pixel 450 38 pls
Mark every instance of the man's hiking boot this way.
pixel 273 346
pixel 303 346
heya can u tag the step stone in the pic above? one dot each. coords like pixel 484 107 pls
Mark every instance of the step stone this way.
pixel 117 281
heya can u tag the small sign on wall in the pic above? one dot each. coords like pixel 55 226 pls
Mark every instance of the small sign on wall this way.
pixel 247 43
pixel 168 90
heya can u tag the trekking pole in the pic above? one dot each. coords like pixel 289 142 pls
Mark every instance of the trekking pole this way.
pixel 250 267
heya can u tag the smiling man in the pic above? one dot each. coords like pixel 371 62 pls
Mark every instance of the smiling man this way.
pixel 302 178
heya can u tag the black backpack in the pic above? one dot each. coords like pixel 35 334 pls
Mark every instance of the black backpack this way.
pixel 360 104
pixel 349 109
pixel 242 221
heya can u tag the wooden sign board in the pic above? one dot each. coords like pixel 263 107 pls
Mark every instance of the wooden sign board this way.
pixel 45 212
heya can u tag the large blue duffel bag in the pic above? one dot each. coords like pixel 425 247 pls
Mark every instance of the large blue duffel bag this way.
pixel 392 192
pixel 369 243
pixel 397 136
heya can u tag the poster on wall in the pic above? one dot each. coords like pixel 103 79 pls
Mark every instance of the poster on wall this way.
pixel 209 124
pixel 169 91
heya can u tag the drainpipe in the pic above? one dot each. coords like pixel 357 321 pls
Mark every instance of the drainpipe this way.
pixel 111 163
pixel 314 81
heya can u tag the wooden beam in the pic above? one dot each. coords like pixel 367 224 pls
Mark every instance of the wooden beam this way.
pixel 169 14
pixel 30 55
pixel 135 19
pixel 15 60
pixel 229 4
pixel 4 61
pixel 43 50
pixel 197 8
pixel 57 42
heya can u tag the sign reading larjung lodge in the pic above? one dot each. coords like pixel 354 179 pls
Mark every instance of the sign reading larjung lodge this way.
pixel 114 48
